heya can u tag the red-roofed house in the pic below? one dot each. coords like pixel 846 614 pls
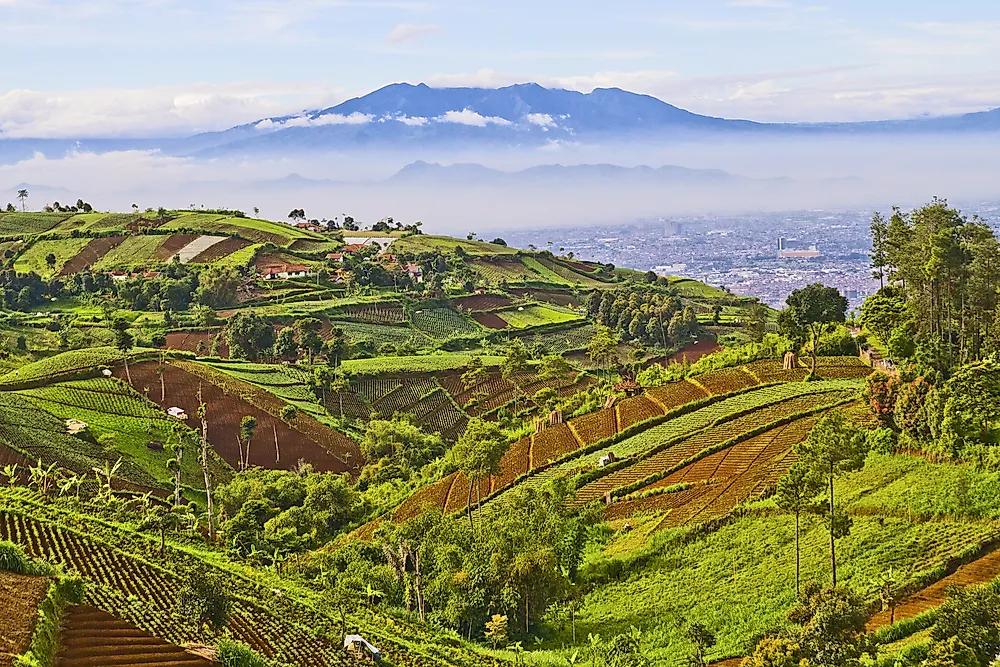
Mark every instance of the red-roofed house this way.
pixel 285 271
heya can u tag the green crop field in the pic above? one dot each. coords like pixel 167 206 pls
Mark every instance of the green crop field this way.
pixel 380 333
pixel 133 251
pixel 441 323
pixel 87 359
pixel 533 316
pixel 428 243
pixel 33 259
pixel 431 363
pixel 29 224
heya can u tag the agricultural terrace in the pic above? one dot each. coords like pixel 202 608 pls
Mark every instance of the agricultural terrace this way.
pixel 276 618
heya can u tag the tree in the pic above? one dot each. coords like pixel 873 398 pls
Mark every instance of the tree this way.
pixel 475 373
pixel 603 347
pixel 554 367
pixel 880 250
pixel 514 365
pixel 248 334
pixel 834 447
pixel 22 195
pixel 248 427
pixel 162 519
pixel 50 261
pixel 810 311
pixel 972 615
pixel 702 639
pixel 203 600
pixel 297 214
pixel 496 630
pixel 217 286
pixel 336 347
pixel 307 334
pixel 285 346
pixel 884 312
pixel 124 341
pixel 795 493
pixel 832 624
pixel 478 452
pixel 203 418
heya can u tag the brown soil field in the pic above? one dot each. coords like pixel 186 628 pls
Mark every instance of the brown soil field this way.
pixel 172 245
pixel 310 441
pixel 695 351
pixel 979 571
pixel 557 297
pixel 220 250
pixel 188 342
pixel 489 320
pixel 20 595
pixel 480 302
pixel 90 254
pixel 91 637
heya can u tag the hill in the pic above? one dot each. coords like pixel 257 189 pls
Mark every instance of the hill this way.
pixel 263 446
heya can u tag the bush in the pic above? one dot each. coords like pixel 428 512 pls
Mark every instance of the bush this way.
pixel 233 653
pixel 14 559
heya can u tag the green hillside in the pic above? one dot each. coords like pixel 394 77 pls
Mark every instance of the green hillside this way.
pixel 216 441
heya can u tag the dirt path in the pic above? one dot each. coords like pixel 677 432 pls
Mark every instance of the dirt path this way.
pixel 979 571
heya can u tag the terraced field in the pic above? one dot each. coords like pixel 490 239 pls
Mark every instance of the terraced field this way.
pixel 532 316
pixel 440 323
pixel 21 596
pixel 91 637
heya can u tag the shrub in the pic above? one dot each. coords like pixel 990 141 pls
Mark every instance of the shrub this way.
pixel 14 559
pixel 233 653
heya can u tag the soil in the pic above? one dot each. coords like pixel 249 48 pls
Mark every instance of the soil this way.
pixel 479 302
pixel 90 254
pixel 557 297
pixel 979 571
pixel 225 411
pixel 21 596
pixel 92 637
pixel 188 341
pixel 220 250
pixel 172 246
pixel 490 321
pixel 696 351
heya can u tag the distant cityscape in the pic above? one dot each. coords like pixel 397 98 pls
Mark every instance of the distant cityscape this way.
pixel 761 255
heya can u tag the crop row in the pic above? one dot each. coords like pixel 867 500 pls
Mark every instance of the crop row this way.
pixel 551 443
pixel 441 323
pixel 725 380
pixel 377 313
pixel 676 394
pixel 771 370
pixel 689 423
pixel 110 398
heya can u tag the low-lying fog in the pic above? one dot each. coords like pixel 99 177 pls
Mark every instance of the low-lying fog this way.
pixel 851 171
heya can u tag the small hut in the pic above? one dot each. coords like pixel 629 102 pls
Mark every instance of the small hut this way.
pixel 360 648
pixel 791 362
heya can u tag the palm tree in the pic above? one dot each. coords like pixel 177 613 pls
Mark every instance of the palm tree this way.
pixel 107 473
pixel 41 476
pixel 22 194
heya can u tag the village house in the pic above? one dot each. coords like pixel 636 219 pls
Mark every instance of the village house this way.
pixel 285 271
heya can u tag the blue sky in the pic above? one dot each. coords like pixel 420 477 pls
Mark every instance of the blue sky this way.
pixel 154 67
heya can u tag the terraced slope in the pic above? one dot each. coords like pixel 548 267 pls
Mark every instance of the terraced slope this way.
pixel 94 638
pixel 19 599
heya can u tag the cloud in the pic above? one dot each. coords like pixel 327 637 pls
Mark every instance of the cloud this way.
pixel 470 117
pixel 760 4
pixel 355 118
pixel 152 112
pixel 405 32
pixel 412 121
pixel 542 120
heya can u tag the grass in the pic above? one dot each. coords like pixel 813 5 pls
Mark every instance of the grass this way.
pixel 431 363
pixel 259 231
pixel 241 258
pixel 692 288
pixel 29 224
pixel 33 259
pixel 739 580
pixel 533 316
pixel 89 359
pixel 133 251
pixel 428 243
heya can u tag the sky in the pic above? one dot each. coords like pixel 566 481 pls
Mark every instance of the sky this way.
pixel 90 68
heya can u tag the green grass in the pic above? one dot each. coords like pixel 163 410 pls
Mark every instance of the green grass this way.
pixel 81 221
pixel 33 259
pixel 739 580
pixel 133 251
pixel 428 243
pixel 241 258
pixel 109 407
pixel 29 224
pixel 259 231
pixel 545 273
pixel 533 316
pixel 67 362
pixel 430 363
pixel 692 288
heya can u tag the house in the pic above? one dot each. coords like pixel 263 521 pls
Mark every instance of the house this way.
pixel 416 272
pixel 335 256
pixel 608 459
pixel 360 649
pixel 118 275
pixel 285 271
pixel 308 226
pixel 177 413
pixel 353 248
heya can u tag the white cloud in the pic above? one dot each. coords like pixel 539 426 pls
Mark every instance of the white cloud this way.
pixel 412 121
pixel 543 120
pixel 470 117
pixel 152 112
pixel 761 4
pixel 355 118
pixel 405 32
